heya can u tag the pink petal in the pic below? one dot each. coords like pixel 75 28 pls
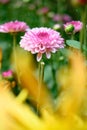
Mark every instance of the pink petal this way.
pixel 39 57
pixel 53 50
pixel 48 55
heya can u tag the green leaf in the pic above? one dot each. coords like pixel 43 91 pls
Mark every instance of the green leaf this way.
pixel 73 43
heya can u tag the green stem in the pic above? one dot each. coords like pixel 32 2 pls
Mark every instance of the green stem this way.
pixel 0 60
pixel 72 36
pixel 54 77
pixel 86 43
pixel 0 63
pixel 83 31
pixel 15 57
pixel 53 72
pixel 41 77
pixel 41 72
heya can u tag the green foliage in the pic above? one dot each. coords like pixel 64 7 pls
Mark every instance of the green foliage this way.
pixel 73 43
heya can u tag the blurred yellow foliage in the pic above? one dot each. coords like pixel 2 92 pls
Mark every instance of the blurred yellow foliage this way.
pixel 15 115
pixel 28 79
pixel 73 82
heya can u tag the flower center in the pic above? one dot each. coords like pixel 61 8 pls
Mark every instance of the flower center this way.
pixel 42 35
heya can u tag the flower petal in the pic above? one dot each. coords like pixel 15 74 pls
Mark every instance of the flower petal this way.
pixel 39 56
pixel 53 50
pixel 48 55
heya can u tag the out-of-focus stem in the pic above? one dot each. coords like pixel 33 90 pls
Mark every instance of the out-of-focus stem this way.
pixel 72 36
pixel 54 76
pixel 0 62
pixel 0 59
pixel 83 31
pixel 41 77
pixel 41 72
pixel 15 57
pixel 22 96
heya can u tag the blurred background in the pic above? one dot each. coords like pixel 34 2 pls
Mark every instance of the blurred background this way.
pixel 35 13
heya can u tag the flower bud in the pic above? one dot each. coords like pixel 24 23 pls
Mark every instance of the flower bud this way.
pixel 69 29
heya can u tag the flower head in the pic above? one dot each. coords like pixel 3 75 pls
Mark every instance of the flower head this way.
pixel 42 40
pixel 77 25
pixel 13 27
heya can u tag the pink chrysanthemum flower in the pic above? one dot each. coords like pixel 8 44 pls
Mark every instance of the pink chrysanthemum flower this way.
pixel 42 40
pixel 13 27
pixel 77 25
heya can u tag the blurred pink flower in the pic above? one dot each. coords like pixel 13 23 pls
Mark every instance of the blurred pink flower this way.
pixel 7 74
pixel 42 40
pixel 57 17
pixel 4 1
pixel 61 18
pixel 66 18
pixel 43 10
pixel 77 25
pixel 13 27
